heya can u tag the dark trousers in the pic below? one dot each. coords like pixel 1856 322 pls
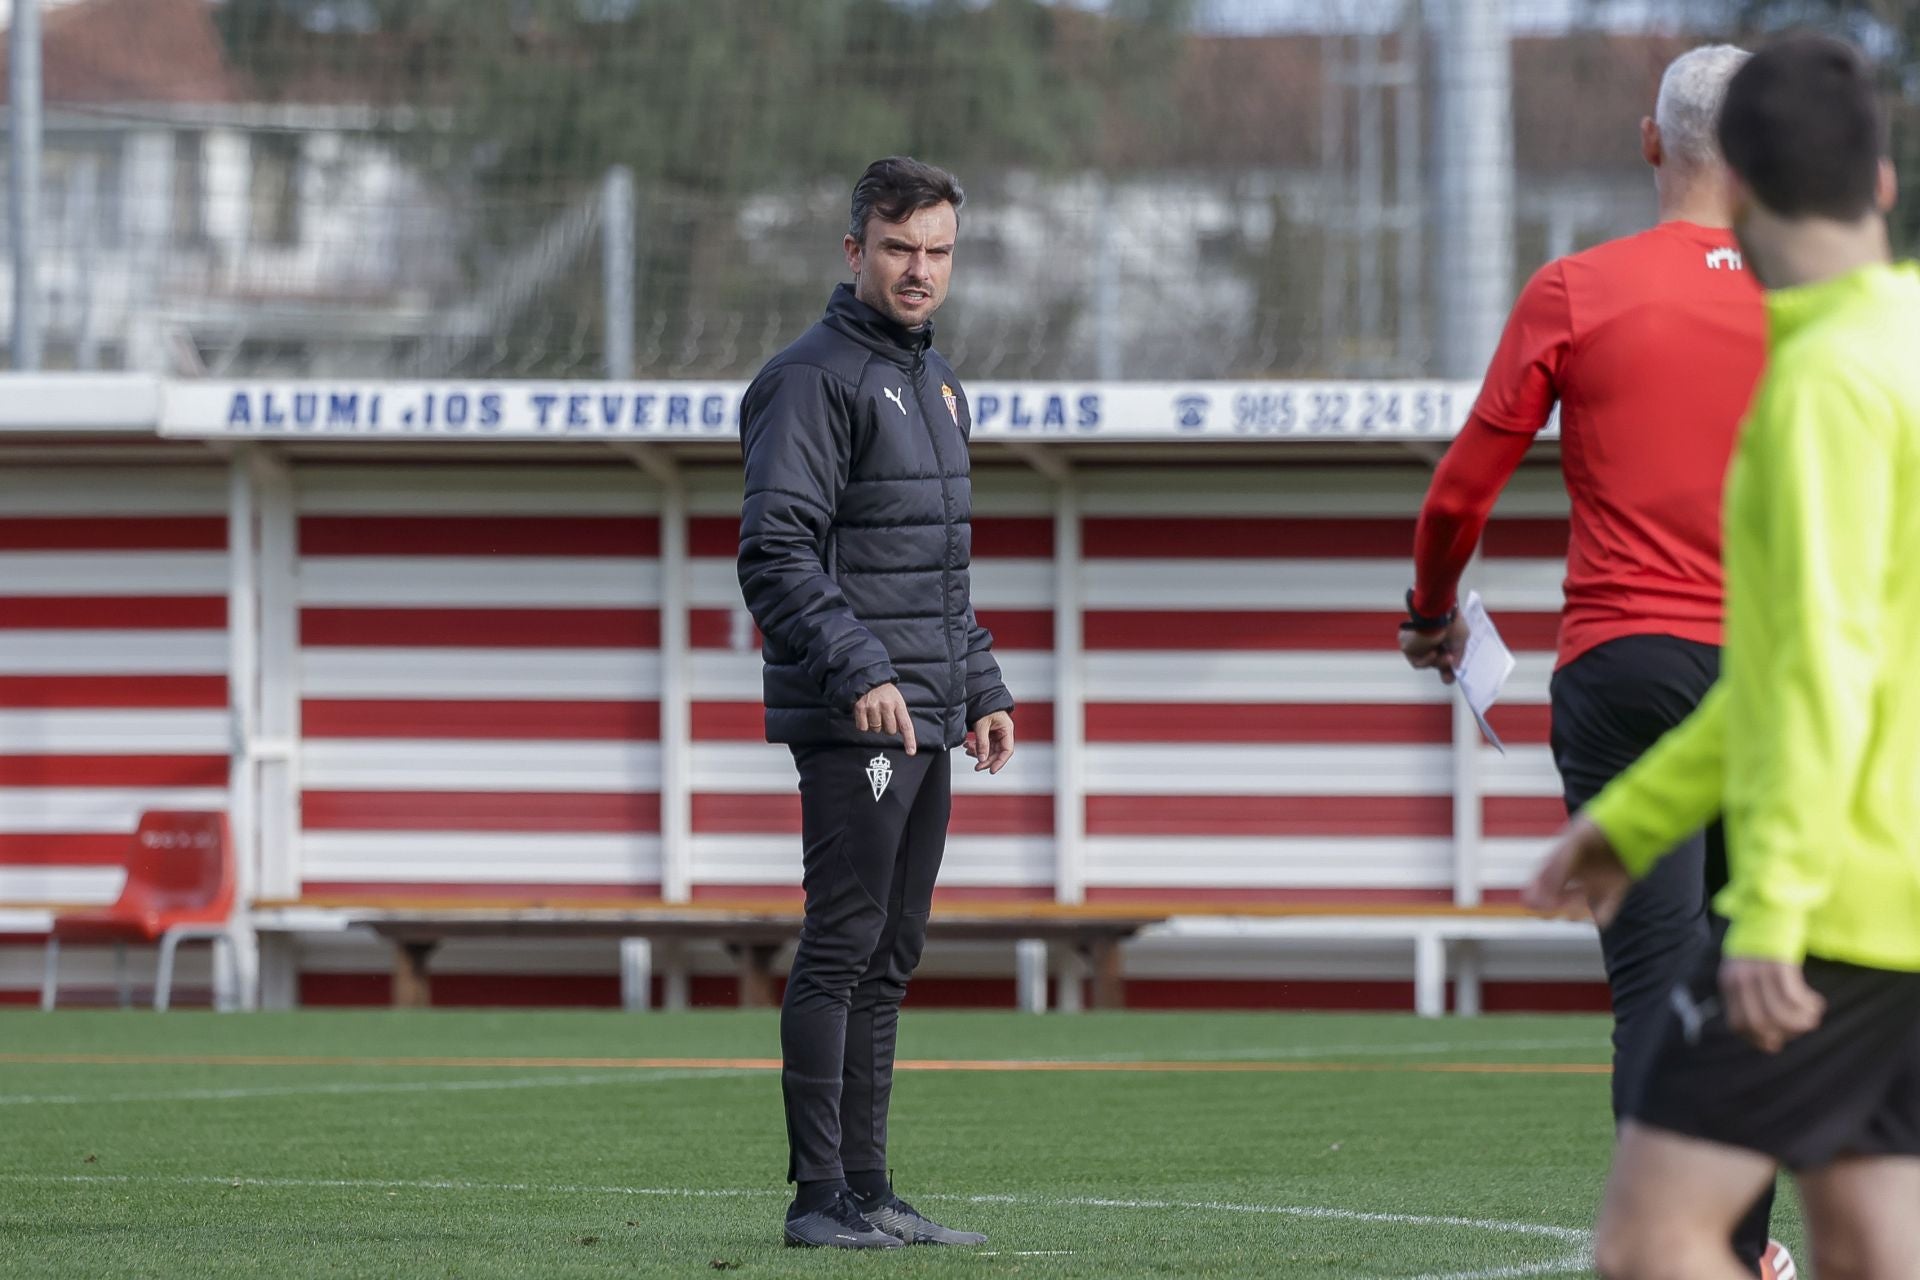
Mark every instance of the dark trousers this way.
pixel 874 825
pixel 1610 705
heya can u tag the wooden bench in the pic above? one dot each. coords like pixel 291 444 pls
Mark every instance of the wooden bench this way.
pixel 1432 930
pixel 754 932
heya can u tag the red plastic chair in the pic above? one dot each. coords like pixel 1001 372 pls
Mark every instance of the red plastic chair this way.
pixel 180 887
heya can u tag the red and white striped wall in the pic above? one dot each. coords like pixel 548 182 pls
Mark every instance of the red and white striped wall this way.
pixel 485 677
pixel 1251 731
pixel 113 667
pixel 479 679
pixel 480 683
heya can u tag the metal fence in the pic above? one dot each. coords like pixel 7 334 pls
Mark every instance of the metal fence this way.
pixel 657 188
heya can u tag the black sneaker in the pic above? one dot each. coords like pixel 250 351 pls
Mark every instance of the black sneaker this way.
pixel 896 1217
pixel 838 1226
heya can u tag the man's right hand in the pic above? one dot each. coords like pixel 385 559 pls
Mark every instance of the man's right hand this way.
pixel 883 709
pixel 1769 1002
pixel 1581 867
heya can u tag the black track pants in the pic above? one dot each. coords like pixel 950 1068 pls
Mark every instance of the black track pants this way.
pixel 1609 706
pixel 875 826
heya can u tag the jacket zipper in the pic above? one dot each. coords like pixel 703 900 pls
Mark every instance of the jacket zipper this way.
pixel 946 505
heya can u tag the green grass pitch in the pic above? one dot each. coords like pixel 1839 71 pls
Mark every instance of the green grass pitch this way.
pixel 532 1144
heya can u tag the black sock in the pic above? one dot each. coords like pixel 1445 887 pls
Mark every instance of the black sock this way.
pixel 869 1184
pixel 812 1196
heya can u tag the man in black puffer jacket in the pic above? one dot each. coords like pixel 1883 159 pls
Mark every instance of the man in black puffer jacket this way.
pixel 854 546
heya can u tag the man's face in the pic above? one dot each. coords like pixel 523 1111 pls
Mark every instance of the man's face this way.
pixel 903 268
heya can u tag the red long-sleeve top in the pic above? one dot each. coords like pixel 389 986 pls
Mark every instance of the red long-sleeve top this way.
pixel 1651 345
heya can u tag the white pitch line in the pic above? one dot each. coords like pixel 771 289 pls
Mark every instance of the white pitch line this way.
pixel 396 1184
pixel 1311 1052
pixel 1578 1260
pixel 314 1090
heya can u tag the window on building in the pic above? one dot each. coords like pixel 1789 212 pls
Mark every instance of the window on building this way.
pixel 189 188
pixel 80 201
pixel 275 188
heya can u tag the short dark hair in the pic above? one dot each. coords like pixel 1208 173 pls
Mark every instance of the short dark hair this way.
pixel 1802 126
pixel 897 186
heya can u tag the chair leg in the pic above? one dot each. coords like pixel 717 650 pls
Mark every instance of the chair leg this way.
pixel 163 975
pixel 120 975
pixel 50 983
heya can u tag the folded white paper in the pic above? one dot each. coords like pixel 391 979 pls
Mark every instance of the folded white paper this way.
pixel 1483 669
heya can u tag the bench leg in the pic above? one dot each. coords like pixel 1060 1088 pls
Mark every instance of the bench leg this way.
pixel 163 972
pixel 636 974
pixel 277 972
pixel 1109 989
pixel 1030 975
pixel 230 972
pixel 676 994
pixel 756 975
pixel 410 987
pixel 50 981
pixel 1429 975
pixel 1070 996
pixel 1467 965
pixel 236 972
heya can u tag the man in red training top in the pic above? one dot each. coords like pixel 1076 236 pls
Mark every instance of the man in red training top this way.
pixel 1651 345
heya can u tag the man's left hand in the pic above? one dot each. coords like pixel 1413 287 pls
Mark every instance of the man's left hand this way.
pixel 1436 650
pixel 991 744
pixel 1769 1001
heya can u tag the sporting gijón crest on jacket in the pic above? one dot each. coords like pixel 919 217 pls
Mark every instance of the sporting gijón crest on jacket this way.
pixel 856 535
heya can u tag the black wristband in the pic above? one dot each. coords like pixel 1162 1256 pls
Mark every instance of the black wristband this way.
pixel 1416 621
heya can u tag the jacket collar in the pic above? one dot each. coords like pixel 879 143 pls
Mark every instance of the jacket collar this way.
pixel 871 329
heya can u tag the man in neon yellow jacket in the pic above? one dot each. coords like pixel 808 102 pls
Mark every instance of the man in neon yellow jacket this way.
pixel 1799 1044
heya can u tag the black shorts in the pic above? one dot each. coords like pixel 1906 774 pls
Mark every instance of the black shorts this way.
pixel 1850 1087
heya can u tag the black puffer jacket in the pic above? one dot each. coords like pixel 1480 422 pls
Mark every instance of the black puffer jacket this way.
pixel 855 534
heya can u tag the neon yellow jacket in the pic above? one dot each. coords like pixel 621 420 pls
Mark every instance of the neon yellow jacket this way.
pixel 1810 742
